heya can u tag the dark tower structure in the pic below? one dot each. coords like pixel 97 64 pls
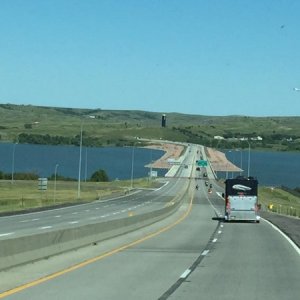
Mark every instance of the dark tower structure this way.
pixel 163 120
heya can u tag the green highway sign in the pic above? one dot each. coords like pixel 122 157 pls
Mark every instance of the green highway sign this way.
pixel 202 163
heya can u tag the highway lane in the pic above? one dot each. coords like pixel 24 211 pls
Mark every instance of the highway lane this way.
pixel 143 271
pixel 140 202
pixel 249 261
pixel 199 258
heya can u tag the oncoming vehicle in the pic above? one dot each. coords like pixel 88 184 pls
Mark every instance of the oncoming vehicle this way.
pixel 241 201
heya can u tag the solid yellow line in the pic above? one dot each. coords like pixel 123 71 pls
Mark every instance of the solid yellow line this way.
pixel 92 260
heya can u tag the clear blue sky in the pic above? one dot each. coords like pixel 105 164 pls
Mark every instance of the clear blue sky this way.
pixel 213 57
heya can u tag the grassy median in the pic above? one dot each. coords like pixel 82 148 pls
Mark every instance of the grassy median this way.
pixel 24 194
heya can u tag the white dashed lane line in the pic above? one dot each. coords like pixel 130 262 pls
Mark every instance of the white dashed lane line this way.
pixel 6 234
pixel 205 252
pixel 185 273
pixel 76 212
pixel 45 227
pixel 104 216
pixel 31 220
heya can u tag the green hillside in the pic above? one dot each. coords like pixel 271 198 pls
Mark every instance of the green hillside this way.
pixel 53 125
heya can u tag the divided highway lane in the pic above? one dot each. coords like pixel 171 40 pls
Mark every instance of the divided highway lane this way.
pixel 140 202
pixel 145 269
pixel 197 258
pixel 248 261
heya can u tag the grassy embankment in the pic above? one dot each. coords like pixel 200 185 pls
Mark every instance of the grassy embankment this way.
pixel 279 201
pixel 23 194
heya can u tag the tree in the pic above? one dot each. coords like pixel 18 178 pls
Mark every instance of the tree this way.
pixel 28 126
pixel 99 176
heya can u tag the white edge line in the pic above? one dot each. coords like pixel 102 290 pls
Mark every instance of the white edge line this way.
pixel 185 273
pixel 284 235
pixel 162 186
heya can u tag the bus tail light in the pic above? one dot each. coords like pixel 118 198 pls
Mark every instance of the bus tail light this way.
pixel 227 205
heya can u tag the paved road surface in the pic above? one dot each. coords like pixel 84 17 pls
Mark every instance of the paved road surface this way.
pixel 197 258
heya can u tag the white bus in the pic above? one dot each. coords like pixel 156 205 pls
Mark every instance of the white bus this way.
pixel 241 200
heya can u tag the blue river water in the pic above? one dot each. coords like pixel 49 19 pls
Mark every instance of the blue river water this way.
pixel 270 168
pixel 118 162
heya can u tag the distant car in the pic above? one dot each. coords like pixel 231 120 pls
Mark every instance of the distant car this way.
pixel 198 169
pixel 186 166
pixel 206 183
pixel 210 186
pixel 204 174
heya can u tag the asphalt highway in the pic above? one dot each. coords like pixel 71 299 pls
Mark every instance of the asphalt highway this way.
pixel 139 202
pixel 192 255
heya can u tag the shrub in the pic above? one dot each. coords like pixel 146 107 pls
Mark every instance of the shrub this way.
pixel 99 176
